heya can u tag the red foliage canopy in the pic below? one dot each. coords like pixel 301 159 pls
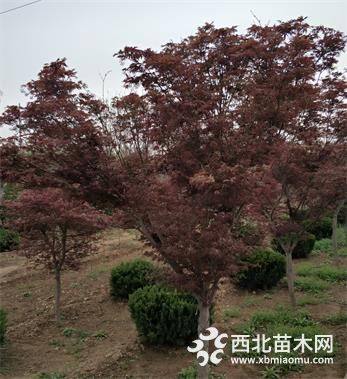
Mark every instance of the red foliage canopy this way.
pixel 55 230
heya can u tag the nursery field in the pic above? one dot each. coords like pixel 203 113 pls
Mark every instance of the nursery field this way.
pixel 98 339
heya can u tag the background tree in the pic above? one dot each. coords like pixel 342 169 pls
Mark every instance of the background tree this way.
pixel 56 231
pixel 55 135
pixel 294 196
pixel 296 105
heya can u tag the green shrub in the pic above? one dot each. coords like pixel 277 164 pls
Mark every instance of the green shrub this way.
pixel 342 216
pixel 265 269
pixel 304 246
pixel 9 240
pixel 320 228
pixel 130 276
pixel 10 192
pixel 302 249
pixel 323 245
pixel 164 316
pixel 3 325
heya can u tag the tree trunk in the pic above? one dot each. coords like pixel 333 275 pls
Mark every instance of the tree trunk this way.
pixel 57 294
pixel 290 277
pixel 334 234
pixel 1 191
pixel 203 324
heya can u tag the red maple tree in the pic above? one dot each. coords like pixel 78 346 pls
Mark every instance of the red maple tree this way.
pixel 298 190
pixel 56 231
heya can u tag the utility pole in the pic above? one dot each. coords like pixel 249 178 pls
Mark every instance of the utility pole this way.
pixel 103 78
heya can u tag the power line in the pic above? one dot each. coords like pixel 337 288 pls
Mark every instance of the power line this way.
pixel 21 6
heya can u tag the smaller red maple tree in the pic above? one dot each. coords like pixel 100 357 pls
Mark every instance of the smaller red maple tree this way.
pixel 56 231
pixel 298 187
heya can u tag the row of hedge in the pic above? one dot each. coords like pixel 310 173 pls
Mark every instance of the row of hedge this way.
pixel 263 270
pixel 162 315
pixel 165 316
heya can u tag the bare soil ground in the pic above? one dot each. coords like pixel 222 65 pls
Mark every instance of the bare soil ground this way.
pixel 103 341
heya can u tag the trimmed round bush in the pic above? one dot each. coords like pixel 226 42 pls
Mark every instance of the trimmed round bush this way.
pixel 164 316
pixel 303 247
pixel 127 277
pixel 265 269
pixel 9 240
pixel 3 325
pixel 320 228
pixel 342 216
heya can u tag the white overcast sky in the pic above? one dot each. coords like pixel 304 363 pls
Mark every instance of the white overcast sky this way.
pixel 88 33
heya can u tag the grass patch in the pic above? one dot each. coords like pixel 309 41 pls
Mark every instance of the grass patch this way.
pixel 230 313
pixel 77 338
pixel 271 373
pixel 310 300
pixel 100 335
pixel 56 343
pixel 51 375
pixel 97 272
pixel 283 321
pixel 311 284
pixel 188 373
pixel 281 316
pixel 342 252
pixel 249 301
pixel 72 332
pixel 327 272
pixel 192 373
pixel 335 319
